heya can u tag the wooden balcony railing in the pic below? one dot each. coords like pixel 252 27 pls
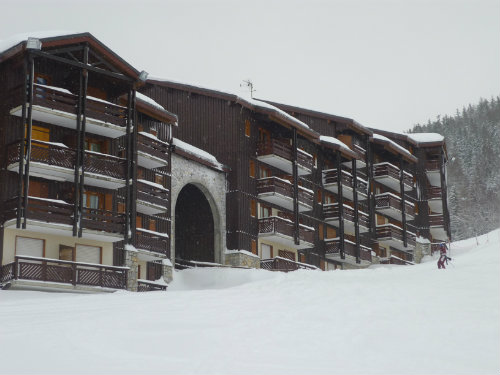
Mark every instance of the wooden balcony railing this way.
pixel 147 286
pixel 283 187
pixel 152 146
pixel 152 241
pixel 436 220
pixel 331 176
pixel 58 212
pixel 389 200
pixel 284 265
pixel 386 169
pixel 432 165
pixel 396 233
pixel 284 150
pixel 332 247
pixel 58 156
pixel 332 212
pixel 434 193
pixel 285 227
pixel 151 193
pixel 51 98
pixel 66 272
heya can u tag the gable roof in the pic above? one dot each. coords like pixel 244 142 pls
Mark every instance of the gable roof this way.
pixel 17 44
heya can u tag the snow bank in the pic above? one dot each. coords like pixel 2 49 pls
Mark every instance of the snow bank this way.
pixel 381 320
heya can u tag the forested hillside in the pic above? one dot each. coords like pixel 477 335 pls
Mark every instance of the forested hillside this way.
pixel 473 144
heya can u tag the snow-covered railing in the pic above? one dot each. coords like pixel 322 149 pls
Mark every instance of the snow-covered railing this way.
pixel 332 212
pixel 391 231
pixel 284 187
pixel 332 247
pixel 284 265
pixel 284 150
pixel 150 286
pixel 67 272
pixel 389 200
pixel 386 169
pixel 275 224
pixel 330 176
pixel 151 145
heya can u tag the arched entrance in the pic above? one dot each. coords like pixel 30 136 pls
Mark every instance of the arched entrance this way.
pixel 194 226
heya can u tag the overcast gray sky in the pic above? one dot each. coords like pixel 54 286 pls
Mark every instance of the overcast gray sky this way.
pixel 387 64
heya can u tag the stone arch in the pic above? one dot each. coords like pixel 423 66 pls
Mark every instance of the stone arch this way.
pixel 212 184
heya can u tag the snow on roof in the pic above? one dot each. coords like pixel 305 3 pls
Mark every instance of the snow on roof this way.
pixel 334 141
pixel 240 99
pixel 426 137
pixel 384 138
pixel 150 101
pixel 197 152
pixel 14 40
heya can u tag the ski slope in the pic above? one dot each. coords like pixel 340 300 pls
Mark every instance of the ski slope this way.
pixel 382 320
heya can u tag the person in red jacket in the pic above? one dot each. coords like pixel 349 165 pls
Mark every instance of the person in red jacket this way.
pixel 443 258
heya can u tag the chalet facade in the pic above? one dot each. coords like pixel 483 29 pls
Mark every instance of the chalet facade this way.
pixel 101 190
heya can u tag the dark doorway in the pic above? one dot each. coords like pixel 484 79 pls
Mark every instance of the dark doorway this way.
pixel 194 226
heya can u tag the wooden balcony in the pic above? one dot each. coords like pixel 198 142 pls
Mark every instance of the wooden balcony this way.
pixel 331 183
pixel 51 273
pixel 151 152
pixel 281 230
pixel 56 217
pixel 152 241
pixel 437 227
pixel 152 198
pixel 59 107
pixel 280 192
pixel 435 199
pixel 331 213
pixel 433 172
pixel 390 205
pixel 388 174
pixel 56 162
pixel 284 265
pixel 391 235
pixel 332 251
pixel 279 154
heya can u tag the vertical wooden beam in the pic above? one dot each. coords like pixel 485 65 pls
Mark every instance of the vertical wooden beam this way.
pixel 403 201
pixel 22 144
pixel 356 213
pixel 296 237
pixel 76 182
pixel 133 185
pixel 371 188
pixel 128 147
pixel 82 137
pixel 341 205
pixel 31 63
pixel 444 194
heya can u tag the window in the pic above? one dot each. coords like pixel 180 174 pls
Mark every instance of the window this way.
pixel 88 254
pixel 252 169
pixel 253 208
pixel 38 133
pixel 66 253
pixel 160 179
pixel 154 271
pixel 93 200
pixel 264 136
pixel 247 128
pixel 95 145
pixel 38 189
pixel 331 232
pixel 266 251
pixel 265 211
pixel 265 172
pixel 320 231
pixel 319 196
pixel 33 247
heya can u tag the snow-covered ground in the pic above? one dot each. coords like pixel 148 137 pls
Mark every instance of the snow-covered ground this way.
pixel 383 320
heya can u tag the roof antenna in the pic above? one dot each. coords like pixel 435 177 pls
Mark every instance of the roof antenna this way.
pixel 249 84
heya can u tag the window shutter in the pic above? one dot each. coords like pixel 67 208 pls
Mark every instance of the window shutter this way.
pixel 88 254
pixel 32 247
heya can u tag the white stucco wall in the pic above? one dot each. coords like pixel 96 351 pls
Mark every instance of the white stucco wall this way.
pixel 213 185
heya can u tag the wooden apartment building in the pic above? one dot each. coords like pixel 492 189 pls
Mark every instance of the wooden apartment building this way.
pixel 100 189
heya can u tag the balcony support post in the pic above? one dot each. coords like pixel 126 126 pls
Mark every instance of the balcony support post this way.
pixel 81 146
pixel 76 182
pixel 403 202
pixel 295 172
pixel 129 224
pixel 356 214
pixel 22 134
pixel 444 195
pixel 371 188
pixel 31 62
pixel 341 205
pixel 133 193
